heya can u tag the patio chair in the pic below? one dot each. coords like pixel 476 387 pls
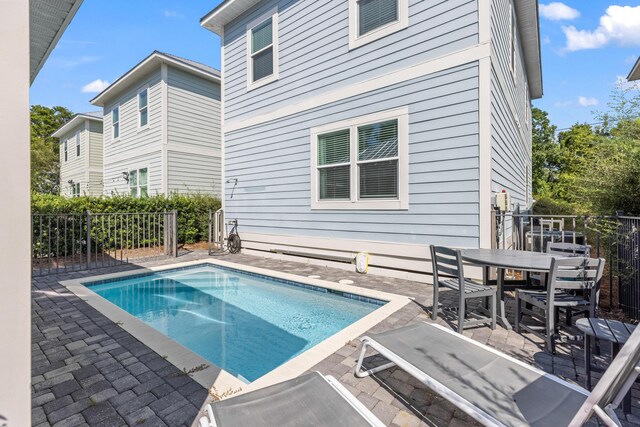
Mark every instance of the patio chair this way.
pixel 566 275
pixel 568 249
pixel 448 273
pixel 498 390
pixel 309 400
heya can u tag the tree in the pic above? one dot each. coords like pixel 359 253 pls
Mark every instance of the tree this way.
pixel 45 161
pixel 544 152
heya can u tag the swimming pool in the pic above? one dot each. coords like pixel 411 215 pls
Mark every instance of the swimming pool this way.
pixel 245 323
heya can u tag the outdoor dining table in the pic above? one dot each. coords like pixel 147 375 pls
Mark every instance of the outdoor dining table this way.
pixel 506 259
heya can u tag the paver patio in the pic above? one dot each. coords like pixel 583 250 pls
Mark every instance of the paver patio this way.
pixel 86 370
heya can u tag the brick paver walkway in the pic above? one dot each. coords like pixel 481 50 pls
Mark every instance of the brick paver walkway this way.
pixel 87 370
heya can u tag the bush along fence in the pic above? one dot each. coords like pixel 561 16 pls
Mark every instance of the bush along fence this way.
pixel 615 238
pixel 81 233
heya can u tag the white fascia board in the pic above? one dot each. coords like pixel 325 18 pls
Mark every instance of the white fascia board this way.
pixel 75 121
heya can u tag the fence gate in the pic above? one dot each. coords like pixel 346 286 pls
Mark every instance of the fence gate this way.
pixel 74 242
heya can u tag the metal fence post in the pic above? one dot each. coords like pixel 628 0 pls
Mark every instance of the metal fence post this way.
pixel 88 240
pixel 175 233
pixel 210 228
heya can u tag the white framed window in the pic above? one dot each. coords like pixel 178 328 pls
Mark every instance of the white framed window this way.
pixel 64 150
pixel 76 189
pixel 77 144
pixel 143 108
pixel 115 123
pixel 370 20
pixel 262 50
pixel 138 179
pixel 362 163
pixel 512 39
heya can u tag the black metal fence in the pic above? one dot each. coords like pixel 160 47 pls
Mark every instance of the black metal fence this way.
pixel 615 238
pixel 73 242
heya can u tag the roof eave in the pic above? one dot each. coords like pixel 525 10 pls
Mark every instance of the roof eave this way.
pixel 75 121
pixel 112 91
pixel 529 25
pixel 635 72
pixel 224 13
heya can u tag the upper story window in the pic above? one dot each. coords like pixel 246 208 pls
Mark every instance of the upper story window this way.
pixel 138 183
pixel 115 123
pixel 64 149
pixel 77 144
pixel 361 163
pixel 370 20
pixel 262 50
pixel 143 110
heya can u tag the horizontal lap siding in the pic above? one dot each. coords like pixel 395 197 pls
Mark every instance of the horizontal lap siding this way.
pixel 74 168
pixel 193 115
pixel 271 162
pixel 193 173
pixel 315 55
pixel 96 156
pixel 510 128
pixel 136 148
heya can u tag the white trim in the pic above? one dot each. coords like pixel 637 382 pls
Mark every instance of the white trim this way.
pixel 78 149
pixel 222 111
pixel 484 21
pixel 73 123
pixel 356 40
pixel 273 15
pixel 444 62
pixel 143 88
pixel 137 169
pixel 113 137
pixel 402 203
pixel 485 154
pixel 164 123
pixel 87 153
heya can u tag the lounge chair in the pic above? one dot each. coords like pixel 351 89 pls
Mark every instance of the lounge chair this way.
pixel 498 390
pixel 309 400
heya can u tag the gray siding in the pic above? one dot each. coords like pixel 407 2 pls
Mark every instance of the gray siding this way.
pixel 510 110
pixel 315 56
pixel 79 168
pixel 194 113
pixel 193 173
pixel 271 162
pixel 136 148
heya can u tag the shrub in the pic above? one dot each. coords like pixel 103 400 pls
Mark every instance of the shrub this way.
pixel 193 209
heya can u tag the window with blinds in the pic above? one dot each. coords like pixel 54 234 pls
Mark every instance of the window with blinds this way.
pixel 143 113
pixel 262 50
pixel 115 122
pixel 359 163
pixel 374 14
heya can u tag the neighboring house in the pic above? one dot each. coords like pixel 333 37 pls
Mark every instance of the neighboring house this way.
pixel 162 128
pixel 635 72
pixel 81 155
pixel 378 126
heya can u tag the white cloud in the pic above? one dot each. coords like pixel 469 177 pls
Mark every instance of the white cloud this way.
pixel 95 86
pixel 557 11
pixel 583 101
pixel 619 24
pixel 172 14
pixel 562 104
pixel 74 62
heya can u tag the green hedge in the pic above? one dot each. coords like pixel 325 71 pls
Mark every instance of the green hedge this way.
pixel 193 209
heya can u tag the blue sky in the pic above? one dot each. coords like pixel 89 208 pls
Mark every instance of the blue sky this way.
pixel 586 46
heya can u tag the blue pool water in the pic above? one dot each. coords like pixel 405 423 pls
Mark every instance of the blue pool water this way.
pixel 246 324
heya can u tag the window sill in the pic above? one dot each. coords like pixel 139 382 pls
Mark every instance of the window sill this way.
pixel 262 82
pixel 143 128
pixel 357 41
pixel 362 205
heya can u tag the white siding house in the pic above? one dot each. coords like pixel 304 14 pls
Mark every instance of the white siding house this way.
pixel 381 126
pixel 162 128
pixel 81 155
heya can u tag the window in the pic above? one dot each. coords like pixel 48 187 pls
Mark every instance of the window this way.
pixel 361 163
pixel 143 113
pixel 262 50
pixel 77 144
pixel 115 123
pixel 75 188
pixel 138 183
pixel 370 20
pixel 64 149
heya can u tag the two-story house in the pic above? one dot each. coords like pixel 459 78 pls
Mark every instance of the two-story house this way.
pixel 634 74
pixel 162 128
pixel 81 155
pixel 376 126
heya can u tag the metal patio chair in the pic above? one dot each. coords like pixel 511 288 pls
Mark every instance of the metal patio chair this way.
pixel 448 273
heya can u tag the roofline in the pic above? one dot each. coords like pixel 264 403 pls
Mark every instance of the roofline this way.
pixel 56 38
pixel 155 55
pixel 219 8
pixel 74 122
pixel 532 59
pixel 635 72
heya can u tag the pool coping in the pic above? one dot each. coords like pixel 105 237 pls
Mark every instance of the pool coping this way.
pixel 217 380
